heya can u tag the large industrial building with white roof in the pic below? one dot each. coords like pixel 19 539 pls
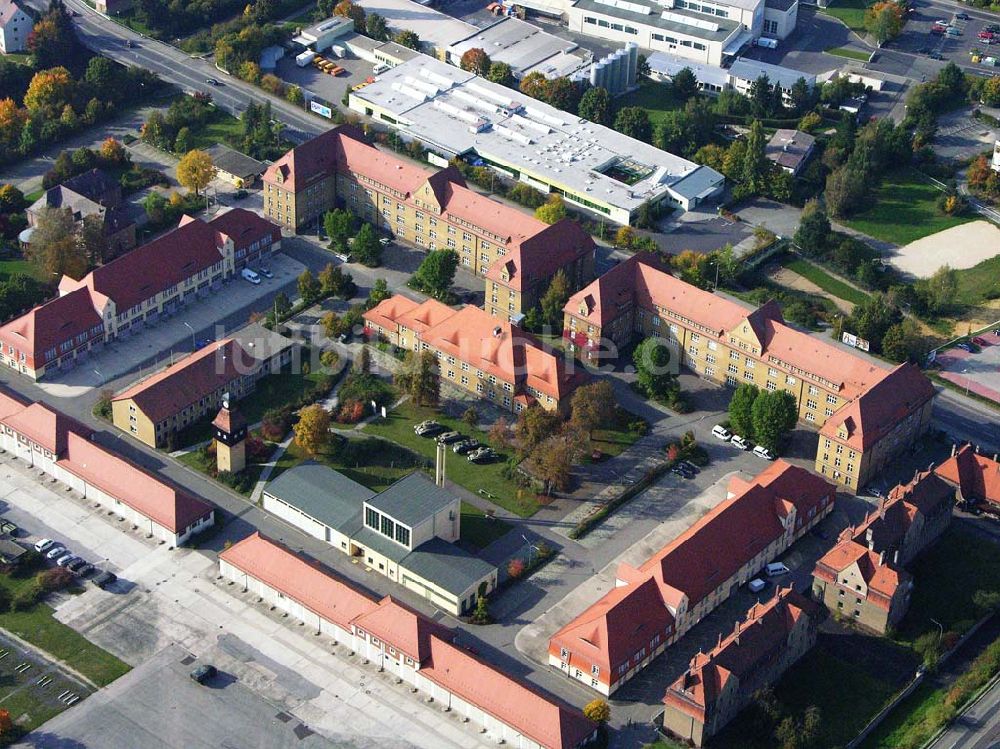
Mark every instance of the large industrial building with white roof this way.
pixel 456 113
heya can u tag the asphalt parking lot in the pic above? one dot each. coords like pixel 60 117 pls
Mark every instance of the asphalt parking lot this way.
pixel 960 136
pixel 979 372
pixel 804 48
pixel 325 86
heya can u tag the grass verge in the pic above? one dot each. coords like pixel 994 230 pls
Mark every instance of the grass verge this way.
pixel 488 477
pixel 903 210
pixel 9 267
pixel 850 12
pixel 825 281
pixel 478 530
pixel 851 54
pixel 979 283
pixel 656 98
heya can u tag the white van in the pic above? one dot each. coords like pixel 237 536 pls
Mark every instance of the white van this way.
pixel 775 569
pixel 379 68
pixel 768 43
pixel 741 442
pixel 763 452
pixel 720 432
pixel 250 276
pixel 756 585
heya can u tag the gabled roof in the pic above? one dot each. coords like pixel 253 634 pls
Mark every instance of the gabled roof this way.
pixel 877 411
pixel 604 298
pixel 303 580
pixel 322 493
pixel 45 426
pixel 412 500
pixel 51 323
pixel 550 723
pixel 537 258
pixel 881 576
pixel 244 227
pixel 401 626
pixel 93 184
pixel 355 155
pixel 425 315
pixel 190 379
pixel 112 474
pixel 387 313
pixel 307 163
pixel 8 8
pixel 977 476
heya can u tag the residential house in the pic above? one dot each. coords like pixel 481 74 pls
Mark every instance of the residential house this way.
pixel 91 194
pixel 132 292
pixel 481 354
pixel 235 167
pixel 790 149
pixel 652 606
pixel 867 412
pixel 720 683
pixel 975 477
pixel 15 25
pixel 401 641
pixel 65 450
pixel 863 577
pixel 406 532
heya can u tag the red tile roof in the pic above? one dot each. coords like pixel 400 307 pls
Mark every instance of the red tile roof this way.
pixel 112 474
pixel 305 581
pixel 549 723
pixel 10 403
pixel 693 565
pixel 977 476
pixel 387 313
pixel 45 426
pixel 312 161
pixel 244 227
pixel 190 379
pixel 156 266
pixel 536 259
pixel 51 323
pixel 878 410
pixel 425 315
pixel 881 577
pixel 355 156
pixel 753 645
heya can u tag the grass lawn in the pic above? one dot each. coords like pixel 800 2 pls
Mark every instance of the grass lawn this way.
pixel 656 98
pixel 979 283
pixel 904 209
pixel 905 717
pixel 370 461
pixel 946 578
pixel 851 54
pixel 9 267
pixel 825 281
pixel 618 437
pixel 851 12
pixel 37 626
pixel 398 427
pixel 31 197
pixel 221 127
pixel 478 530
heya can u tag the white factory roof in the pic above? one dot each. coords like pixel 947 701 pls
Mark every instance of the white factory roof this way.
pixel 457 112
pixel 433 27
pixel 751 70
pixel 670 65
pixel 526 48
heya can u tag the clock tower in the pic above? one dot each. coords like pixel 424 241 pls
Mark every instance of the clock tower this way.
pixel 230 438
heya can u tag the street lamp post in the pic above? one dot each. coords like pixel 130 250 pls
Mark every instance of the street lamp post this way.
pixel 193 344
pixel 965 372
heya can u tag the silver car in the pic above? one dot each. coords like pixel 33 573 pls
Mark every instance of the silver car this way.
pixel 55 552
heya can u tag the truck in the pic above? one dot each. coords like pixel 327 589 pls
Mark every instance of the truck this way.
pixel 305 58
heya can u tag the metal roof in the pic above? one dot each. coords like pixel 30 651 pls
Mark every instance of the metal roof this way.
pixel 322 493
pixel 412 499
pixel 447 566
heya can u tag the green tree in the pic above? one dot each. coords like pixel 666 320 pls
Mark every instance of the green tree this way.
pixel 476 61
pixel 554 299
pixel 282 304
pixel 760 96
pixel 375 27
pixel 535 425
pixel 338 224
pixel 593 405
pixel 366 248
pixel 845 191
pixel 182 143
pixel 755 163
pixel 309 287
pixel 595 105
pixel 903 342
pixel 502 73
pixel 378 294
pixel 652 363
pixel 418 376
pixel 334 282
pixel 684 84
pixel 774 415
pixel 802 96
pixel 942 287
pixel 884 20
pixel 814 229
pixel 741 409
pixel 436 273
pixel 634 122
pixel 94 240
pixel 552 211
pixel 408 39
pixel 294 95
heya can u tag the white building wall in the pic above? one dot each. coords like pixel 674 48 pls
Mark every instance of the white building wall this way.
pixel 297 518
pixel 780 23
pixel 14 35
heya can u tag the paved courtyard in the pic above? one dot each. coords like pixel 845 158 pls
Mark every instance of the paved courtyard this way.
pixel 169 601
pixel 978 373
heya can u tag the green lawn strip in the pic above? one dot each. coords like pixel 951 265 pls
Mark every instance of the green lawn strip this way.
pixel 398 428
pixel 825 281
pixel 979 283
pixel 959 564
pixel 906 718
pixel 221 127
pixel 656 98
pixel 368 460
pixel 852 54
pixel 31 197
pixel 904 209
pixel 851 12
pixel 478 530
pixel 9 267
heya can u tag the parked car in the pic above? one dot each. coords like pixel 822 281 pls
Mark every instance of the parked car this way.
pixel 76 565
pixel 776 569
pixel 448 437
pixel 952 31
pixel 463 447
pixel 65 559
pixel 741 442
pixel 690 466
pixel 104 579
pixel 55 552
pixel 942 23
pixel 203 342
pixel 250 276
pixel 963 16
pixel 756 585
pixel 964 347
pixel 265 271
pixel 720 432
pixel 936 56
pixel 130 44
pixel 682 472
pixel 980 341
pixel 384 241
pixel 875 491
pixel 204 673
pixel 935 29
pixel 44 545
pixel 85 570
pixel 762 452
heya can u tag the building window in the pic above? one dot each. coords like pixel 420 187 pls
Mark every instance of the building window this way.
pixel 371 518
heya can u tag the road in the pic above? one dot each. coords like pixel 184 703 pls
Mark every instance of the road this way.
pixel 190 74
pixel 977 728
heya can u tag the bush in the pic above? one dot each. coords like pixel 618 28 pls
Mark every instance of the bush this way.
pixel 26 597
pixel 53 579
pixel 350 412
pixel 257 450
pixel 515 568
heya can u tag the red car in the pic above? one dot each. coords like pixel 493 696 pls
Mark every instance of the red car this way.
pixel 987 35
pixel 935 29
